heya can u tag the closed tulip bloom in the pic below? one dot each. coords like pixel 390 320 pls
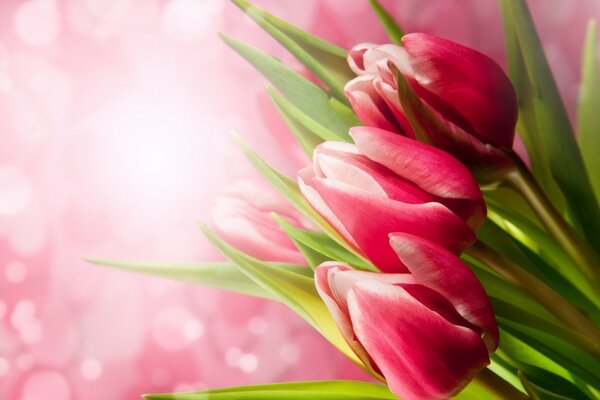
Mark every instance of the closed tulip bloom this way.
pixel 242 217
pixel 470 106
pixel 428 332
pixel 387 183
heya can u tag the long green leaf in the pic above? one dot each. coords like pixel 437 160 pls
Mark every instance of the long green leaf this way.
pixel 323 244
pixel 527 125
pixel 308 97
pixel 325 60
pixel 220 275
pixel 308 131
pixel 296 291
pixel 539 242
pixel 391 27
pixel 589 109
pixel 509 314
pixel 544 109
pixel 498 288
pixel 518 344
pixel 326 390
pixel 305 137
pixel 561 388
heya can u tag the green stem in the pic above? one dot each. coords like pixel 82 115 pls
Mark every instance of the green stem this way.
pixel 586 331
pixel 523 181
pixel 498 386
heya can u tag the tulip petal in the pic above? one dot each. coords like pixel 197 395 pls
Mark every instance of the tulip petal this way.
pixel 434 170
pixel 356 57
pixel 421 354
pixel 464 85
pixel 306 177
pixel 369 230
pixel 370 108
pixel 342 162
pixel 442 271
pixel 340 312
pixel 389 94
pixel 253 231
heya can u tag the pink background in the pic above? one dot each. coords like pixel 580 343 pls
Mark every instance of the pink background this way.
pixel 113 142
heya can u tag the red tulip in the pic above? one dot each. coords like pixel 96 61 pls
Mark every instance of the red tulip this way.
pixel 428 331
pixel 242 217
pixel 469 105
pixel 388 183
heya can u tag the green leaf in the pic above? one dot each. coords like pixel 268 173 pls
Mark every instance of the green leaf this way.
pixel 325 60
pixel 305 95
pixel 507 313
pixel 588 116
pixel 538 241
pixel 566 353
pixel 220 275
pixel 548 123
pixel 527 126
pixel 391 27
pixel 536 392
pixel 296 291
pixel 326 390
pixel 498 288
pixel 308 132
pixel 543 385
pixel 519 348
pixel 324 245
pixel 504 371
pixel 305 137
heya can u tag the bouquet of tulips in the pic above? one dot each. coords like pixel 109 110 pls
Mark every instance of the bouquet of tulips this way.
pixel 418 242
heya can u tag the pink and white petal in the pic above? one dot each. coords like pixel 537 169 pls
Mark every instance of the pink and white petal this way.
pixel 377 56
pixel 356 55
pixel 306 179
pixel 389 94
pixel 434 170
pixel 369 219
pixel 421 354
pixel 342 162
pixel 444 272
pixel 257 240
pixel 339 312
pixel 370 108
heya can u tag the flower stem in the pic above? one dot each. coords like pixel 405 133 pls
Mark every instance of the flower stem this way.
pixel 587 332
pixel 498 386
pixel 523 181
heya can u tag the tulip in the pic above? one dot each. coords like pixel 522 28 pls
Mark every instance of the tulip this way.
pixel 242 217
pixel 469 107
pixel 428 332
pixel 387 183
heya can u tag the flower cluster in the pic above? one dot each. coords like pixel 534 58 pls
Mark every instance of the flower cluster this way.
pixel 366 243
pixel 424 323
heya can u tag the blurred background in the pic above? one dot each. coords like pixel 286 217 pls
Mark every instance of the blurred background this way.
pixel 114 139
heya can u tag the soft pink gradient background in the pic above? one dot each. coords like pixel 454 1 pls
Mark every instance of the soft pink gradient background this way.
pixel 113 142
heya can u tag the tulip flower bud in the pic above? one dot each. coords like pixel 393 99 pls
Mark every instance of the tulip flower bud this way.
pixel 428 331
pixel 388 183
pixel 467 104
pixel 242 217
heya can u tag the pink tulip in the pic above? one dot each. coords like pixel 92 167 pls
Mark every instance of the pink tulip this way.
pixel 242 217
pixel 388 183
pixel 470 106
pixel 428 331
